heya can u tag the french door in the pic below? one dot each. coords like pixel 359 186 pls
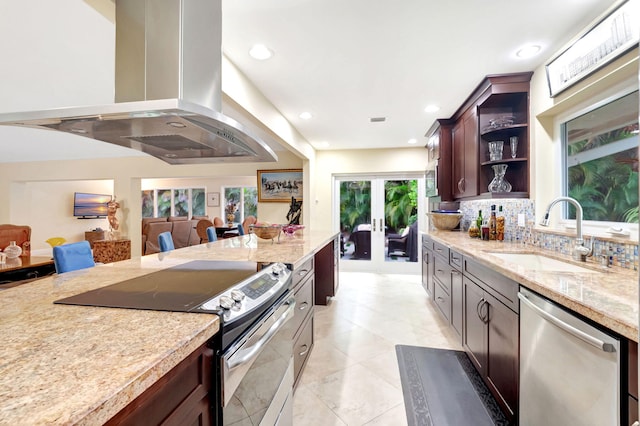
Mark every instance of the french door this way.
pixel 378 218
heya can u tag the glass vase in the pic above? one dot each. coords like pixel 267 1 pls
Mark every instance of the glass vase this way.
pixel 499 183
pixel 12 250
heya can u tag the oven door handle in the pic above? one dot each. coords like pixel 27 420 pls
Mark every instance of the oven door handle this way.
pixel 246 355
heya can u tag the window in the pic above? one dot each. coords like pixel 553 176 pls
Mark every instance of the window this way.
pixel 241 202
pixel 173 202
pixel 601 158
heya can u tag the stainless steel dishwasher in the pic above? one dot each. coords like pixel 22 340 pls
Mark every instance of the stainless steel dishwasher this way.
pixel 569 370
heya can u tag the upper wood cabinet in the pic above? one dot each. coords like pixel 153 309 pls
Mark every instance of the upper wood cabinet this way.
pixel 497 110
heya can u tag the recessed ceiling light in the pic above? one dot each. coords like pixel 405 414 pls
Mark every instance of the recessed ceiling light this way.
pixel 411 141
pixel 305 115
pixel 260 52
pixel 432 108
pixel 528 51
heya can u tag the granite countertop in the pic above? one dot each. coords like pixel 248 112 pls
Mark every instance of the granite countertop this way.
pixel 62 364
pixel 608 296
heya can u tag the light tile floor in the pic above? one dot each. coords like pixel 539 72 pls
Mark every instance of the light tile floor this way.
pixel 352 377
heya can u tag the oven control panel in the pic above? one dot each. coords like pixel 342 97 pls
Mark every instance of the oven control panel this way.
pixel 249 294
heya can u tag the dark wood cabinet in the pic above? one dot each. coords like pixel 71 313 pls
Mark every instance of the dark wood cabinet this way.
pixel 495 111
pixel 326 271
pixel 465 156
pixel 632 379
pixel 490 338
pixel 182 396
pixel 443 277
pixel 456 302
pixel 427 267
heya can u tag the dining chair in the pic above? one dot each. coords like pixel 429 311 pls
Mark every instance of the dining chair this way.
pixel 211 234
pixel 240 229
pixel 73 256
pixel 217 222
pixel 165 241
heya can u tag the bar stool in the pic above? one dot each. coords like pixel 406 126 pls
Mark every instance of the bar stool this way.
pixel 73 256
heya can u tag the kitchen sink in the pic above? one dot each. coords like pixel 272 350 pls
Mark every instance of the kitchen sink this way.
pixel 534 261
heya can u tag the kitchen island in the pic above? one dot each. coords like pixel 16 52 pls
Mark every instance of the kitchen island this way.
pixel 66 364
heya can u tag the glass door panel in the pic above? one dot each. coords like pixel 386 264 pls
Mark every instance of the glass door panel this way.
pixel 378 223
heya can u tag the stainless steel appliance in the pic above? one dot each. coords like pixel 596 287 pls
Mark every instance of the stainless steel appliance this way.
pixel 569 369
pixel 168 98
pixel 253 350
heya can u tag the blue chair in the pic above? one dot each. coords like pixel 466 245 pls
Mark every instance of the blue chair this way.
pixel 240 229
pixel 211 234
pixel 165 241
pixel 73 256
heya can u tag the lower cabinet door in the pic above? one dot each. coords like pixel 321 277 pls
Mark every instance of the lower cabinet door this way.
pixel 302 348
pixel 503 362
pixel 457 302
pixel 475 327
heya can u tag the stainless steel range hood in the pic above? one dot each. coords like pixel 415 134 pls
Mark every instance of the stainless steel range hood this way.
pixel 168 92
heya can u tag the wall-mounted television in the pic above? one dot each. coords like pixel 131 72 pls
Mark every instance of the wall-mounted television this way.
pixel 90 206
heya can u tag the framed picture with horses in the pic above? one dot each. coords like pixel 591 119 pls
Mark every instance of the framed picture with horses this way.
pixel 279 186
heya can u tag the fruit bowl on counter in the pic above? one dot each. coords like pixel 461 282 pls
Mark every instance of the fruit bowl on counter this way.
pixel 445 220
pixel 265 231
pixel 291 229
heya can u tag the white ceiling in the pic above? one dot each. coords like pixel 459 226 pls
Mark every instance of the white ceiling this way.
pixel 345 61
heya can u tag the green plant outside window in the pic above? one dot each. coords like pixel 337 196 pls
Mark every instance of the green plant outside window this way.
pixel 601 157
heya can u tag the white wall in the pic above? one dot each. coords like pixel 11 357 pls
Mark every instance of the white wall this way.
pixel 372 161
pixel 546 167
pixel 21 183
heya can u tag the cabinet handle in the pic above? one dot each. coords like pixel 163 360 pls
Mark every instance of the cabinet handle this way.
pixel 303 272
pixel 461 185
pixel 440 299
pixel 454 272
pixel 478 307
pixel 305 349
pixel 439 271
pixel 485 316
pixel 425 258
pixel 374 225
pixel 303 306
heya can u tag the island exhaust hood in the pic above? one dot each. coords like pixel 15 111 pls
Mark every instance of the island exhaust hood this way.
pixel 168 92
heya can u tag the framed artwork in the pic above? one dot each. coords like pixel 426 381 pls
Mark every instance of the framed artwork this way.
pixel 278 186
pixel 614 35
pixel 213 199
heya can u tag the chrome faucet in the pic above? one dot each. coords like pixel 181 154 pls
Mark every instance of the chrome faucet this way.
pixel 580 252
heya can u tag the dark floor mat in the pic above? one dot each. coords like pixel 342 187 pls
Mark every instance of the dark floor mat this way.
pixel 441 387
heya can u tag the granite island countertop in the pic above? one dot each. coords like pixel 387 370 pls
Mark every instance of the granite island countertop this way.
pixel 608 296
pixel 62 364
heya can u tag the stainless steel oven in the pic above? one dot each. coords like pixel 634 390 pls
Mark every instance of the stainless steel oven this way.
pixel 256 371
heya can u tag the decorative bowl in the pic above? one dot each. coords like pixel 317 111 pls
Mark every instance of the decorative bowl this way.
pixel 290 229
pixel 266 232
pixel 445 221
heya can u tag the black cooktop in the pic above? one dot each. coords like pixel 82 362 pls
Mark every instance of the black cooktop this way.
pixel 178 289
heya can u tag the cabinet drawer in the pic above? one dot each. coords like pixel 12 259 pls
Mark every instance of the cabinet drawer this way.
pixel 443 301
pixel 455 260
pixel 442 271
pixel 427 243
pixel 304 303
pixel 302 348
pixel 441 250
pixel 300 272
pixel 501 287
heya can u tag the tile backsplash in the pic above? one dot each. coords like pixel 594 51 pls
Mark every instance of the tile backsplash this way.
pixel 613 251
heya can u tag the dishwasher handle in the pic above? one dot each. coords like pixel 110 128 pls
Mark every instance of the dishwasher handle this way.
pixel 587 338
